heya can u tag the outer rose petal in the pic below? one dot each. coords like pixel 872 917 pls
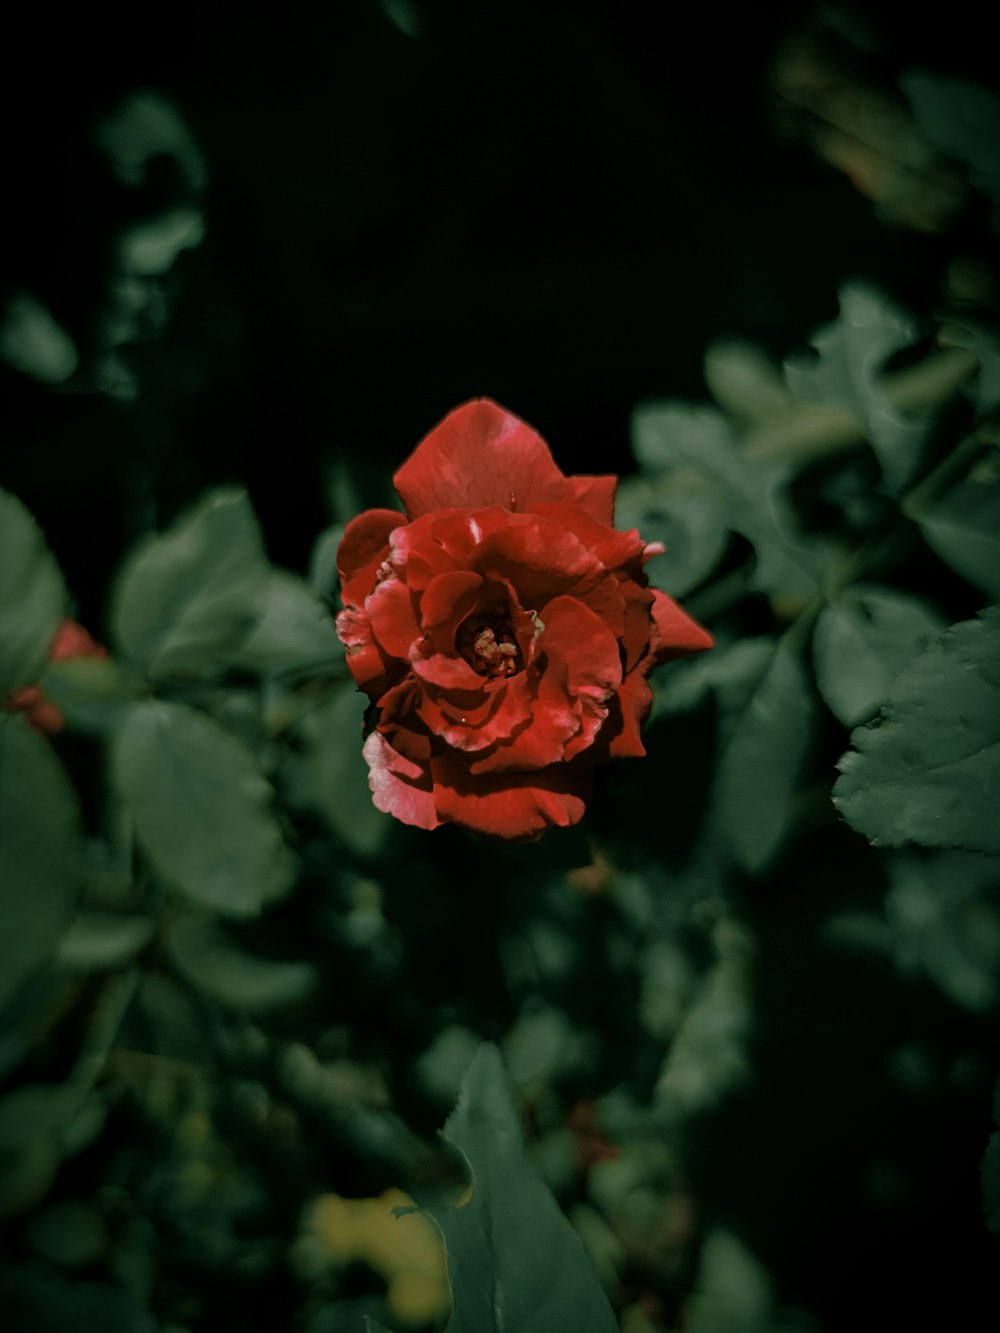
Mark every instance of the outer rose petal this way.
pixel 596 495
pixel 628 712
pixel 393 619
pixel 399 786
pixel 364 657
pixel 479 455
pixel 363 547
pixel 675 634
pixel 517 806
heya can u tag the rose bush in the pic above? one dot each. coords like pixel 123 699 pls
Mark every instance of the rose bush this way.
pixel 503 630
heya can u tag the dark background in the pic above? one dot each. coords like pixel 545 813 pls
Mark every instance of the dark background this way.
pixel 557 206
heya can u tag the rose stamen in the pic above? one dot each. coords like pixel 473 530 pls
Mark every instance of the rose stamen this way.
pixel 486 641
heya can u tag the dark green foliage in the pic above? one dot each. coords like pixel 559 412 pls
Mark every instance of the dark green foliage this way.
pixel 928 770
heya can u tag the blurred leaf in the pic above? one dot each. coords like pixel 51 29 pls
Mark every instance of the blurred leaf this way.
pixel 708 1056
pixel 862 640
pixel 744 381
pixel 295 634
pixel 146 126
pixel 186 600
pixel 104 940
pixel 759 769
pixel 961 119
pixel 983 342
pixel 323 574
pixel 32 596
pixel 928 770
pixel 69 1234
pixel 41 851
pixel 672 439
pixel 943 912
pixel 34 343
pixel 202 809
pixel 149 248
pixel 45 1302
pixel 964 530
pixel 91 692
pixel 851 355
pixel 730 672
pixel 691 526
pixel 514 1261
pixel 734 1291
pixel 328 773
pixel 213 964
pixel 35 1110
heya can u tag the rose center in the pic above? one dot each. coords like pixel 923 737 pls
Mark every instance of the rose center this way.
pixel 486 641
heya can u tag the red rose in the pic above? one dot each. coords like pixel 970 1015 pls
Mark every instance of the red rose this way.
pixel 71 640
pixel 502 628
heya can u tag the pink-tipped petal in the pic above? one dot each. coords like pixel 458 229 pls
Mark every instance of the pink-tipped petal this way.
pixel 399 786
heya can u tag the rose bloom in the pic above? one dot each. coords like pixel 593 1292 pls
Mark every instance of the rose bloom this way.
pixel 502 629
pixel 71 640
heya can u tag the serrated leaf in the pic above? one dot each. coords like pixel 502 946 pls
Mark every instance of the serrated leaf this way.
pixel 514 1261
pixel 41 851
pixel 295 633
pixel 104 939
pixel 759 770
pixel 32 596
pixel 928 771
pixel 328 775
pixel 186 600
pixel 851 354
pixel 210 961
pixel 202 809
pixel 963 528
pixel 862 640
pixel 671 438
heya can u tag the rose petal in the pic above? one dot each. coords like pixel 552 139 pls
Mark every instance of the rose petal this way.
pixel 362 549
pixel 629 709
pixel 446 602
pixel 364 658
pixel 517 806
pixel 675 634
pixel 596 495
pixel 399 786
pixel 479 455
pixel 393 618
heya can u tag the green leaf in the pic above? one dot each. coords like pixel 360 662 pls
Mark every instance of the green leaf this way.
pixel 327 773
pixel 964 530
pixel 678 443
pixel 206 958
pixel 759 770
pixel 943 913
pixel 33 342
pixel 202 809
pixel 187 599
pixel 928 770
pixel 32 596
pixel 846 373
pixel 323 576
pixel 104 939
pixel 91 692
pixel 862 640
pixel 514 1261
pixel 961 119
pixel 41 852
pixel 295 634
pixel 692 526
